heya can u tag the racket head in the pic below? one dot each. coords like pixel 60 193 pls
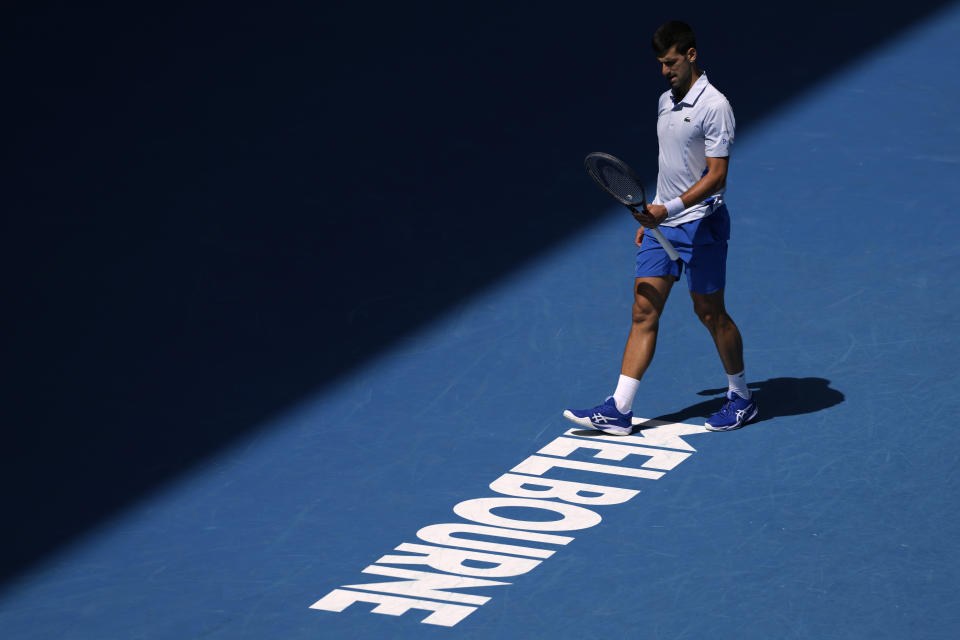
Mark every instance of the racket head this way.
pixel 614 176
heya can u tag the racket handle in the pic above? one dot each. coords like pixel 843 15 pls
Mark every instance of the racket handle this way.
pixel 665 244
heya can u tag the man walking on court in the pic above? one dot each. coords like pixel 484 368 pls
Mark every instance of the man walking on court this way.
pixel 695 129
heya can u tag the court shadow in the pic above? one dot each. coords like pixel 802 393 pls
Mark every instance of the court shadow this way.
pixel 777 397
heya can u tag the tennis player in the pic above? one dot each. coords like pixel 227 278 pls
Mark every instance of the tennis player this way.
pixel 695 129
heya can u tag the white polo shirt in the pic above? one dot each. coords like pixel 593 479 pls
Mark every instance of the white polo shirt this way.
pixel 700 125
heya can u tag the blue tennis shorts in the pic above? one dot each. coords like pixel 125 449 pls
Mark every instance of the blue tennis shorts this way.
pixel 702 245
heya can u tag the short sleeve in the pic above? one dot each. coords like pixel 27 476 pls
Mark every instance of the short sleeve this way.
pixel 718 130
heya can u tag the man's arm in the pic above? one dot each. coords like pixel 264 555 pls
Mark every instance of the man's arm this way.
pixel 712 181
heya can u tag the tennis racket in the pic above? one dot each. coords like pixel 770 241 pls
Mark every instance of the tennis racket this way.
pixel 616 178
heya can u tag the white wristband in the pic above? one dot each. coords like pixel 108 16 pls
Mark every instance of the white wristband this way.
pixel 674 207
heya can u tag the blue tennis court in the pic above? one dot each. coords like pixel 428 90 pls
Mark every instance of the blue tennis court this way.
pixel 363 508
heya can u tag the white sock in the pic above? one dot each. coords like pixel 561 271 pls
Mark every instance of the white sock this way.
pixel 738 384
pixel 626 389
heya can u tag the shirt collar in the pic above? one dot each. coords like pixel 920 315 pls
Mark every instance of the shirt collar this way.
pixel 691 98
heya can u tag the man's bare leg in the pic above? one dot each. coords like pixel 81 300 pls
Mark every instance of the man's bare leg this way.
pixel 712 311
pixel 740 408
pixel 649 298
pixel 650 295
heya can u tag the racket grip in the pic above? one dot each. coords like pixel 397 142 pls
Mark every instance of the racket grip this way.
pixel 665 244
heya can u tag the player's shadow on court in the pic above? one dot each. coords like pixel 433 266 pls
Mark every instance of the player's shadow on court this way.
pixel 777 397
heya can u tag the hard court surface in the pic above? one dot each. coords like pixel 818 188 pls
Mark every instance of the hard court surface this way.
pixel 833 516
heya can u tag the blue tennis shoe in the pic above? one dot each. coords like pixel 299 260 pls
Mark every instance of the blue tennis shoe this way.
pixel 605 417
pixel 735 413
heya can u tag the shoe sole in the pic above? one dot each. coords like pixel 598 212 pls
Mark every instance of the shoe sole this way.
pixel 585 422
pixel 736 425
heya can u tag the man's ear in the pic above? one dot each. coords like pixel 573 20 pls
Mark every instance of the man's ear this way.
pixel 691 55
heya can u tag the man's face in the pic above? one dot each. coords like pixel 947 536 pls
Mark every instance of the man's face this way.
pixel 678 68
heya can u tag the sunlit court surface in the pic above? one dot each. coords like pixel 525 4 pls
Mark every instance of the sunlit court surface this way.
pixel 398 499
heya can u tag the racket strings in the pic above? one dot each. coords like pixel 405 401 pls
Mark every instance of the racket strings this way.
pixel 617 179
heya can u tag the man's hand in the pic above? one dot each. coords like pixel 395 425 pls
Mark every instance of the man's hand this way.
pixel 651 216
pixel 639 239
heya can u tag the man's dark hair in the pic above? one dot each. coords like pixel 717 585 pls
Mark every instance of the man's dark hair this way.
pixel 673 34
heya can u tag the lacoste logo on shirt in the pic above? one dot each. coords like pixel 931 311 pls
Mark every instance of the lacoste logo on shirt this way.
pixel 687 119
